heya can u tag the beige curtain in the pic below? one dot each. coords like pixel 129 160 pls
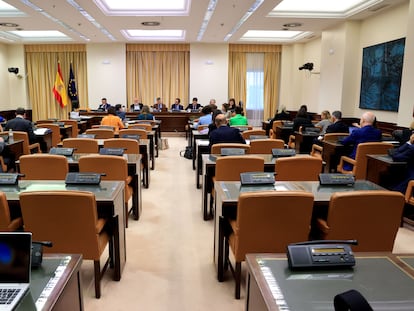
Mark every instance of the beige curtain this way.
pixel 237 74
pixel 41 67
pixel 158 70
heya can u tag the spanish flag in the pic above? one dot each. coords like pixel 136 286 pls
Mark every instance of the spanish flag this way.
pixel 59 89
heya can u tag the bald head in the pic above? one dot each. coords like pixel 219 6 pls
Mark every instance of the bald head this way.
pixel 368 118
pixel 220 120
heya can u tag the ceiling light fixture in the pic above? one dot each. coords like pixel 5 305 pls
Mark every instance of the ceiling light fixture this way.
pixel 292 25
pixel 153 23
pixel 249 12
pixel 11 25
pixel 210 10
pixel 91 19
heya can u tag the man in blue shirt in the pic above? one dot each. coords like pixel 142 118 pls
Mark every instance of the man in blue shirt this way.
pixel 366 133
pixel 206 118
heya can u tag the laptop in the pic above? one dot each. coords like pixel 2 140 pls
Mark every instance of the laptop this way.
pixel 15 261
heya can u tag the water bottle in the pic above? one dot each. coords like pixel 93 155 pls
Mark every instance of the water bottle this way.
pixel 11 137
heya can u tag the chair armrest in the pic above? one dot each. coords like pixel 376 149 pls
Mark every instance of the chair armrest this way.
pixel 342 161
pixel 322 225
pixel 3 165
pixel 35 146
pixel 272 134
pixel 15 224
pixel 233 225
pixel 409 193
pixel 100 224
pixel 128 180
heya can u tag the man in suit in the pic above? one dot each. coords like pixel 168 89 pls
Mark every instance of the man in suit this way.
pixel 19 123
pixel 194 105
pixel 136 105
pixel 159 106
pixel 366 133
pixel 405 153
pixel 104 105
pixel 177 105
pixel 338 126
pixel 224 133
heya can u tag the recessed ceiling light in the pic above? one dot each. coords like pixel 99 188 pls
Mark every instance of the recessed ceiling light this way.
pixel 150 23
pixel 12 25
pixel 292 25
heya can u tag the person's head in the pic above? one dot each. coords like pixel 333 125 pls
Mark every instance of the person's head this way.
pixel 20 111
pixel 220 120
pixel 136 100
pixel 112 110
pixel 212 101
pixel 215 114
pixel 195 100
pixel 103 100
pixel 325 115
pixel 145 109
pixel 238 110
pixel 336 115
pixel 232 102
pixel 302 112
pixel 158 100
pixel 118 107
pixel 367 118
pixel 177 100
pixel 225 107
pixel 304 107
pixel 282 108
pixel 206 110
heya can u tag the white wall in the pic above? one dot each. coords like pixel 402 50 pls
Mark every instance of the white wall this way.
pixel 106 74
pixel 208 73
pixel 4 78
pixel 17 83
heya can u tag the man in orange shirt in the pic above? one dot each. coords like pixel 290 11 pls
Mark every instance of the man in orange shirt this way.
pixel 113 120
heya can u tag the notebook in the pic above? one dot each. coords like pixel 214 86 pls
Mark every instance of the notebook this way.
pixel 15 257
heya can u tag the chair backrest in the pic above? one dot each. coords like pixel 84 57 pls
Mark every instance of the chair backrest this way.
pixel 142 133
pixel 44 166
pixel 44 121
pixel 145 126
pixel 272 131
pixel 216 148
pixel 82 145
pixel 334 136
pixel 371 217
pixel 316 151
pixel 360 168
pixel 4 213
pixel 66 218
pixel 55 132
pixel 129 145
pixel 269 221
pixel 248 133
pixel 101 133
pixel 18 135
pixel 114 167
pixel 265 146
pixel 303 168
pixel 75 128
pixel 229 168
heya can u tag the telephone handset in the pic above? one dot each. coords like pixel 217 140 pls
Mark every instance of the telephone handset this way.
pixel 321 254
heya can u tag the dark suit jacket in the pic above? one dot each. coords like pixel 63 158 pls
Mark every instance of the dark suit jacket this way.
pixel 190 106
pixel 23 125
pixel 177 107
pixel 140 107
pixel 338 127
pixel 104 106
pixel 226 134
pixel 298 122
pixel 363 135
pixel 405 153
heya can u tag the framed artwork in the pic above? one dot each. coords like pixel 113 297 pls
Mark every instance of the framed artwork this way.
pixel 381 75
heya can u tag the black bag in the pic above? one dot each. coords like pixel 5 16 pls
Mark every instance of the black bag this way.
pixel 187 153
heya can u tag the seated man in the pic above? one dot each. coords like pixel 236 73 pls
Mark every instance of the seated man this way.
pixel 113 120
pixel 19 123
pixel 224 133
pixel 238 118
pixel 337 126
pixel 104 106
pixel 194 105
pixel 405 153
pixel 136 105
pixel 177 105
pixel 366 133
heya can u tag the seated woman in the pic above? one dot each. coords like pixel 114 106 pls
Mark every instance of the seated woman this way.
pixel 145 114
pixel 302 119
pixel 324 122
pixel 113 120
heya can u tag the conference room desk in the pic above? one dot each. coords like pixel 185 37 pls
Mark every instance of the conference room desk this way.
pixel 56 285
pixel 15 147
pixel 283 132
pixel 227 195
pixel 109 197
pixel 65 131
pixel 209 171
pixel 383 170
pixel 144 150
pixel 134 170
pixel 201 147
pixel 45 140
pixel 304 141
pixel 384 279
pixel 196 135
pixel 331 154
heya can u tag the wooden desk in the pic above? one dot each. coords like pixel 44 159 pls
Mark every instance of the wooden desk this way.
pixel 56 285
pixel 66 131
pixel 304 141
pixel 201 147
pixel 15 147
pixel 283 132
pixel 45 141
pixel 383 170
pixel 384 279
pixel 109 198
pixel 227 195
pixel 134 170
pixel 331 154
pixel 195 135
